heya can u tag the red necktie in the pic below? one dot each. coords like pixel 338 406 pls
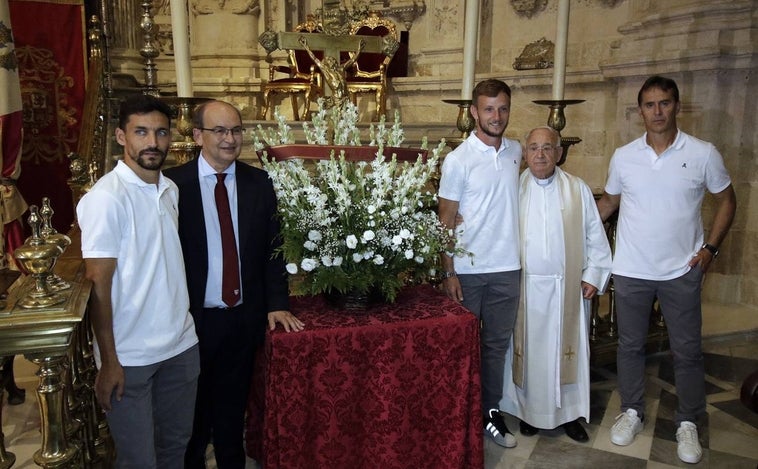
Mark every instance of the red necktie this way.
pixel 230 284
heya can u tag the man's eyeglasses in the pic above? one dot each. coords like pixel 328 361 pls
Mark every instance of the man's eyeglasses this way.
pixel 221 132
pixel 544 148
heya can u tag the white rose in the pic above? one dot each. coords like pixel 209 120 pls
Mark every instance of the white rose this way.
pixel 351 241
pixel 337 261
pixel 357 257
pixel 314 235
pixel 291 268
pixel 405 233
pixel 308 264
pixel 397 239
pixel 371 209
pixel 309 245
pixel 327 261
pixel 368 235
pixel 378 260
pixel 409 254
pixel 419 259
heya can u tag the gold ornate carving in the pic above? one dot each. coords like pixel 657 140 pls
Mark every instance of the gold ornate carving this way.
pixel 536 55
pixel 528 8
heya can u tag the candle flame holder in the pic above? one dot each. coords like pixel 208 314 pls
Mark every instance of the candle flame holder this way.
pixel 465 122
pixel 557 120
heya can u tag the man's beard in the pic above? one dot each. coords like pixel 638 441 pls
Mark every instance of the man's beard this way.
pixel 150 164
pixel 489 133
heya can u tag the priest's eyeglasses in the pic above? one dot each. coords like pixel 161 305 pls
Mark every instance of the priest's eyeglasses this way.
pixel 221 132
pixel 537 149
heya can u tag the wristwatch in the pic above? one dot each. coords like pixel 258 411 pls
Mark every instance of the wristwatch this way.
pixel 710 248
pixel 445 275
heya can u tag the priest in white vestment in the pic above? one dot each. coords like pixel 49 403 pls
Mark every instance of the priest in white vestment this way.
pixel 566 260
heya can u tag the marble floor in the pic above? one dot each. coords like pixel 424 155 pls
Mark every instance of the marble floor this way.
pixel 728 433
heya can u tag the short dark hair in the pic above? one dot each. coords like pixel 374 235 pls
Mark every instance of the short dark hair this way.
pixel 490 88
pixel 662 83
pixel 141 104
pixel 198 115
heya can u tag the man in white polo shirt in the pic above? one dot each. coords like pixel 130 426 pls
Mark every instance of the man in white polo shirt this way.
pixel 480 182
pixel 657 183
pixel 146 347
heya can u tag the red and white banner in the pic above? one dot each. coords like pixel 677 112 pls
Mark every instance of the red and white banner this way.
pixel 11 137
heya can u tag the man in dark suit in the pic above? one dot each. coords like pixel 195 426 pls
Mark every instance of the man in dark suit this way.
pixel 231 302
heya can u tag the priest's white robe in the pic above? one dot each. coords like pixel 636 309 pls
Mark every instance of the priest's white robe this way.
pixel 543 402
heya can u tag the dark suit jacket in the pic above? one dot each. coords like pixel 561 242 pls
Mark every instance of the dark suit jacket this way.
pixel 264 279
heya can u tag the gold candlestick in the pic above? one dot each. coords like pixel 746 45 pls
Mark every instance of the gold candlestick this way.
pixel 465 122
pixel 557 120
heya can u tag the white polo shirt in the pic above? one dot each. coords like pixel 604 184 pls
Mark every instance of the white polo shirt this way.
pixel 484 182
pixel 660 227
pixel 125 218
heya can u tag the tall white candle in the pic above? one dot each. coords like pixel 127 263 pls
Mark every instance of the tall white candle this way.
pixel 559 60
pixel 180 33
pixel 470 33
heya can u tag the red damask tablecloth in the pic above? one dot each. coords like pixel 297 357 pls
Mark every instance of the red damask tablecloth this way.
pixel 396 387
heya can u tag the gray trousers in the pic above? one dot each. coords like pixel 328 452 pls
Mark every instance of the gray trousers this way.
pixel 679 300
pixel 493 298
pixel 152 422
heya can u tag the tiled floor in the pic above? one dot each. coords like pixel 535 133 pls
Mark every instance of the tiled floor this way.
pixel 728 433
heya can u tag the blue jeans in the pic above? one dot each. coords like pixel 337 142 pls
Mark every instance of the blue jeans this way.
pixel 679 300
pixel 152 422
pixel 494 299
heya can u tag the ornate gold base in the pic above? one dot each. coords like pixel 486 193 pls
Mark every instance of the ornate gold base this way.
pixel 183 152
pixel 33 301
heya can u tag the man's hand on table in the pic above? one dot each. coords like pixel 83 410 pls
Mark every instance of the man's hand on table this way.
pixel 286 319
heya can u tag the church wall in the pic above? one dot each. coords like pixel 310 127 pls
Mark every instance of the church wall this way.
pixel 709 47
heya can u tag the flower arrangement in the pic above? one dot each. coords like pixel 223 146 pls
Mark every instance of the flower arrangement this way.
pixel 355 225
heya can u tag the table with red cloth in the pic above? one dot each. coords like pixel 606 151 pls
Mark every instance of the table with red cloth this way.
pixel 396 386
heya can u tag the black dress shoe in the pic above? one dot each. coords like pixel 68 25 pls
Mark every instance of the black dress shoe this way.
pixel 575 431
pixel 528 430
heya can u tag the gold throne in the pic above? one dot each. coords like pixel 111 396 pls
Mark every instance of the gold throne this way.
pixel 369 74
pixel 303 76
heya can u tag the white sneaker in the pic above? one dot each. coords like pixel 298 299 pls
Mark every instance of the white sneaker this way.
pixel 626 428
pixel 688 449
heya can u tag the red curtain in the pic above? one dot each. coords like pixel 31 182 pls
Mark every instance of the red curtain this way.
pixel 51 53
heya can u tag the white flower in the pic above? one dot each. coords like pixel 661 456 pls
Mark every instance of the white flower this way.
pixel 371 209
pixel 337 261
pixel 368 235
pixel 314 235
pixel 420 260
pixel 409 253
pixel 397 240
pixel 368 255
pixel 308 264
pixel 405 233
pixel 357 257
pixel 351 241
pixel 291 268
pixel 327 261
pixel 309 245
pixel 378 260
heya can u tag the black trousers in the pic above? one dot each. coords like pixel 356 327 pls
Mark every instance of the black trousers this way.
pixel 227 349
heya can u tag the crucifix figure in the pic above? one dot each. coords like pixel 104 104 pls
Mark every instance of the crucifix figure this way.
pixel 334 72
pixel 331 45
